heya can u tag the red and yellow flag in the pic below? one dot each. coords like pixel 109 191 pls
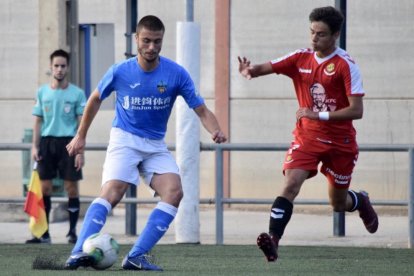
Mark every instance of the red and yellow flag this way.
pixel 35 207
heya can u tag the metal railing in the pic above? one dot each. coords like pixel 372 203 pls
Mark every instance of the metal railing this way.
pixel 220 200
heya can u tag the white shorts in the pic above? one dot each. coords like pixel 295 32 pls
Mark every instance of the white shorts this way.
pixel 128 156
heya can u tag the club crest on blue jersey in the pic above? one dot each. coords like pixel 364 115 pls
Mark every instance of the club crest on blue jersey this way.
pixel 162 87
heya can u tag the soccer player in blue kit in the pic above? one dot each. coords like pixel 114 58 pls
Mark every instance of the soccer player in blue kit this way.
pixel 146 88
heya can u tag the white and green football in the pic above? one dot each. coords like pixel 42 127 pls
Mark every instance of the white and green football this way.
pixel 104 248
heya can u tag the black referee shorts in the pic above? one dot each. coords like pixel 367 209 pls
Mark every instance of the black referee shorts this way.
pixel 55 160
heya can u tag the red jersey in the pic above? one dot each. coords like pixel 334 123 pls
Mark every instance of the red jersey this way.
pixel 322 84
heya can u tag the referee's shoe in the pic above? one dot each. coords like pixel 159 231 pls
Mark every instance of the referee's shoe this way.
pixel 45 239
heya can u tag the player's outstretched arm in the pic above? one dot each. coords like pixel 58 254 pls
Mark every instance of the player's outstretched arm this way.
pixel 210 123
pixel 77 145
pixel 249 71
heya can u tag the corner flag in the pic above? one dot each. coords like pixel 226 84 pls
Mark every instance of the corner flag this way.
pixel 34 205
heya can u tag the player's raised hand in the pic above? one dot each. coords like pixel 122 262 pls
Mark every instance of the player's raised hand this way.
pixel 218 137
pixel 76 145
pixel 245 68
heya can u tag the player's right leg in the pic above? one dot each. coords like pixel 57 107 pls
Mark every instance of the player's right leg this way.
pixel 94 220
pixel 269 245
pixel 120 169
pixel 281 213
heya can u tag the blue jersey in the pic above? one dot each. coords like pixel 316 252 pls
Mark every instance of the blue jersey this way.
pixel 144 100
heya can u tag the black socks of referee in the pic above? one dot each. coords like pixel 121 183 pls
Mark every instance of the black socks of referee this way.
pixel 73 210
pixel 280 215
pixel 48 206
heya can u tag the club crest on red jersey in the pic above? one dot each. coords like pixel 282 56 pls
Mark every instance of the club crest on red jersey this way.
pixel 329 69
pixel 289 159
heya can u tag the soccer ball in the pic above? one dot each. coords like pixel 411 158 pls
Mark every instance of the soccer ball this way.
pixel 104 248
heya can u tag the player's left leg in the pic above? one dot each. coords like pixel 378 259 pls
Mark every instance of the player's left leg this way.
pixel 342 199
pixel 168 187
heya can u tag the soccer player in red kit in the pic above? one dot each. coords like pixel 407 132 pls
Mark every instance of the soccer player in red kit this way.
pixel 329 90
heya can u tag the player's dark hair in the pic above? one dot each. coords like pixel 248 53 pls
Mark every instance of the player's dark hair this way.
pixel 150 22
pixel 60 53
pixel 328 15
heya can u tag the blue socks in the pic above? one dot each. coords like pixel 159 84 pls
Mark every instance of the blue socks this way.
pixel 93 222
pixel 157 225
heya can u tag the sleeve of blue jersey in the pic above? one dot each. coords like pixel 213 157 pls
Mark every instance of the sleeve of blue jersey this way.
pixel 105 86
pixel 189 92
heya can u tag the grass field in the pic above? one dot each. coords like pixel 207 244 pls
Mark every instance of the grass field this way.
pixel 226 260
